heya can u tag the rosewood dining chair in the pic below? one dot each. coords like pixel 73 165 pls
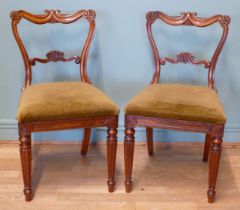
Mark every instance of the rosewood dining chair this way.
pixel 178 106
pixel 62 105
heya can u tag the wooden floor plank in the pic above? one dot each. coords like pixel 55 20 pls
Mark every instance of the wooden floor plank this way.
pixel 174 178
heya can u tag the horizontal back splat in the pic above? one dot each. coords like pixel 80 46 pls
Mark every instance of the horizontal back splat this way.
pixel 185 57
pixel 55 56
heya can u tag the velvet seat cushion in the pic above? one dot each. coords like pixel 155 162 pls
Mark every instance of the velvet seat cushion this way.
pixel 63 100
pixel 176 101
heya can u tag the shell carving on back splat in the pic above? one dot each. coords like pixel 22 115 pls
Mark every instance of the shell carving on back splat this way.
pixel 55 55
pixel 185 57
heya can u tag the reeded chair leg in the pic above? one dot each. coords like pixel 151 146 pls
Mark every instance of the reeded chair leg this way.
pixel 111 156
pixel 128 157
pixel 26 155
pixel 208 140
pixel 149 135
pixel 215 154
pixel 86 140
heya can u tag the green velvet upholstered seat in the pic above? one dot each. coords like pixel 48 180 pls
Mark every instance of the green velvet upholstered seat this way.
pixel 63 100
pixel 176 101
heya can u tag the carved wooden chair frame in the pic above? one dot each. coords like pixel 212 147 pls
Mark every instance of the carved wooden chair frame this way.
pixel 214 132
pixel 25 129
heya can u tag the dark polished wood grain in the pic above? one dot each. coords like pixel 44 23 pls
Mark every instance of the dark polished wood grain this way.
pixel 129 142
pixel 208 142
pixel 214 132
pixel 27 128
pixel 26 156
pixel 215 154
pixel 86 140
pixel 111 155
pixel 149 136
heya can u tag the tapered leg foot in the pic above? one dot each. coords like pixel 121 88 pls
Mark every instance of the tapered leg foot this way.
pixel 111 157
pixel 128 185
pixel 28 194
pixel 26 156
pixel 208 140
pixel 149 135
pixel 85 142
pixel 214 159
pixel 211 195
pixel 128 157
pixel 111 185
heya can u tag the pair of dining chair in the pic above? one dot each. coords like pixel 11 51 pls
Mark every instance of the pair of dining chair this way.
pixel 72 105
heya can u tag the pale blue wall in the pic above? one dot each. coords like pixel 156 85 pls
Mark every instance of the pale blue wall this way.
pixel 120 61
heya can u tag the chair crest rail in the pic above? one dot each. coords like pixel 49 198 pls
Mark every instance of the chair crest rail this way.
pixel 187 19
pixel 52 16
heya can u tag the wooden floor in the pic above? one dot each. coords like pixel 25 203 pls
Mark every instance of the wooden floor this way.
pixel 174 178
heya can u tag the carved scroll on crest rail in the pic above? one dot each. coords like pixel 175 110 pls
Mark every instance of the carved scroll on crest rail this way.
pixel 185 58
pixel 55 56
pixel 52 16
pixel 187 19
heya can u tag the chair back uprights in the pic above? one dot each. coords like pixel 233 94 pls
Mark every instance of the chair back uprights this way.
pixel 187 19
pixel 53 16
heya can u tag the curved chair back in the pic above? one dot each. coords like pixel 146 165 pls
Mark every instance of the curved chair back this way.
pixel 53 16
pixel 187 19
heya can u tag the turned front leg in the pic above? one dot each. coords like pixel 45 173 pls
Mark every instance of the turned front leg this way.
pixel 111 157
pixel 128 157
pixel 26 154
pixel 215 154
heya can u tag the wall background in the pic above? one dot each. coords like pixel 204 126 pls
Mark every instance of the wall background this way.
pixel 120 60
